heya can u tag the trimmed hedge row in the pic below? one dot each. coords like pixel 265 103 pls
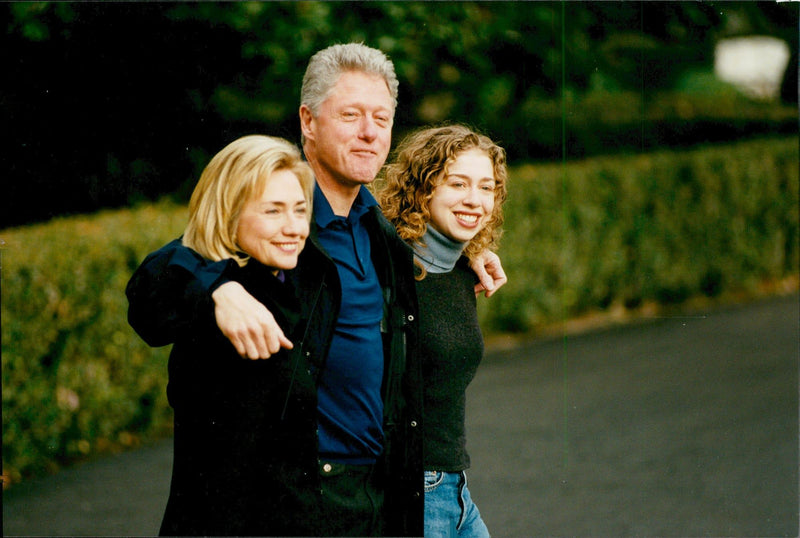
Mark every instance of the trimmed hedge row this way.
pixel 76 379
pixel 659 227
pixel 602 124
pixel 580 236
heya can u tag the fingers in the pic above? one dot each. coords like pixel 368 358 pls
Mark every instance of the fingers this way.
pixel 490 273
pixel 487 281
pixel 496 283
pixel 479 289
pixel 285 342
pixel 494 270
pixel 247 323
pixel 246 344
pixel 258 344
pixel 259 341
pixel 262 340
pixel 499 281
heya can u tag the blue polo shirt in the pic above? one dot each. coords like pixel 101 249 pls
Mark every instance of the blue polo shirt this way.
pixel 349 395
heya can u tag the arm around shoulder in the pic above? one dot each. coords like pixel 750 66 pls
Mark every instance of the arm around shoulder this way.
pixel 171 291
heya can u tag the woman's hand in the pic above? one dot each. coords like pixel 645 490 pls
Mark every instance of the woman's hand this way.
pixel 247 323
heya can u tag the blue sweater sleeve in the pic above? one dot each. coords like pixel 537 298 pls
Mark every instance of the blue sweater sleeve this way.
pixel 170 293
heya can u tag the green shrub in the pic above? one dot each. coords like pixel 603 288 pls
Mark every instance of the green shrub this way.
pixel 601 123
pixel 76 378
pixel 660 227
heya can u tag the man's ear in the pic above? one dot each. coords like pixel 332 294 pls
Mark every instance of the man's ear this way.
pixel 306 122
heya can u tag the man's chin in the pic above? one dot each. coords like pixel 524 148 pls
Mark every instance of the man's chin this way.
pixel 363 177
pixel 365 170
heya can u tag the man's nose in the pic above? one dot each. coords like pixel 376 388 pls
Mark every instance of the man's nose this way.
pixel 369 129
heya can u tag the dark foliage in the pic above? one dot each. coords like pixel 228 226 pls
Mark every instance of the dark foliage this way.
pixel 109 103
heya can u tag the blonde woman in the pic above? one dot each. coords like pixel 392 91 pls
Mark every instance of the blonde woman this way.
pixel 444 193
pixel 241 426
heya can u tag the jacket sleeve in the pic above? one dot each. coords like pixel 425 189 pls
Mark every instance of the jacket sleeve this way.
pixel 171 292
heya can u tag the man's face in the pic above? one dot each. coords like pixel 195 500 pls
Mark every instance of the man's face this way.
pixel 350 139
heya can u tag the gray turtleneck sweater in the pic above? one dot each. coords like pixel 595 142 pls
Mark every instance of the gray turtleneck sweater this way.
pixel 451 347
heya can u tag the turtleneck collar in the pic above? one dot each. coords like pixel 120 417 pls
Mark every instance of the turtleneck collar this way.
pixel 440 253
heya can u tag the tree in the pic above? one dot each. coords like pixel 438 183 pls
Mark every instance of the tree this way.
pixel 113 102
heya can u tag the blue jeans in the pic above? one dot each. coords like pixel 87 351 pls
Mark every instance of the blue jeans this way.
pixel 449 510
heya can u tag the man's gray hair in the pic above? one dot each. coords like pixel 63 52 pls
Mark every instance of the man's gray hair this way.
pixel 327 65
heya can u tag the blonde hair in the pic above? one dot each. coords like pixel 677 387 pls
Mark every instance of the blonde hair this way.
pixel 234 176
pixel 420 165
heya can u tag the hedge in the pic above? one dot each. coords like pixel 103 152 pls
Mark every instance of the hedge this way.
pixel 658 228
pixel 76 379
pixel 580 236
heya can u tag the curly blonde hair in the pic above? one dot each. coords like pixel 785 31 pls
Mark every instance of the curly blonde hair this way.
pixel 420 165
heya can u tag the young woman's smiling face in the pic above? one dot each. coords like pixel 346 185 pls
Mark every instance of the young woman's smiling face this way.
pixel 273 227
pixel 462 203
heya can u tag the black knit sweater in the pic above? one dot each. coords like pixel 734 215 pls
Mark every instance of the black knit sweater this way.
pixel 451 347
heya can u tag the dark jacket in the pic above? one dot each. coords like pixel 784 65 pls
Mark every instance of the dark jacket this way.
pixel 169 298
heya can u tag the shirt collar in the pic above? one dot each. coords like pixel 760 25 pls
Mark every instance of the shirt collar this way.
pixel 323 214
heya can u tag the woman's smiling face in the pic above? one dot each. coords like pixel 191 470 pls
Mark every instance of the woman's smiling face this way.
pixel 462 203
pixel 273 227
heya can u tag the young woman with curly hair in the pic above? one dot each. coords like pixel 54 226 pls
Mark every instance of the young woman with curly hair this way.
pixel 444 193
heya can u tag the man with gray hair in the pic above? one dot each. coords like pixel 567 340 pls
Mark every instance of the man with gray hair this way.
pixel 355 280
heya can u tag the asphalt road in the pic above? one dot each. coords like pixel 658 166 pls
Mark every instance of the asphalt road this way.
pixel 684 426
pixel 679 426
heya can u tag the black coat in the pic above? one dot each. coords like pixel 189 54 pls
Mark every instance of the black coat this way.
pixel 246 448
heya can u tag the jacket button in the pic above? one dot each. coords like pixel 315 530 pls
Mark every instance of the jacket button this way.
pixel 413 423
pixel 327 467
pixel 410 317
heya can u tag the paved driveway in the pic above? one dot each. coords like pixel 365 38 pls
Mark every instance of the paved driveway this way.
pixel 683 426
